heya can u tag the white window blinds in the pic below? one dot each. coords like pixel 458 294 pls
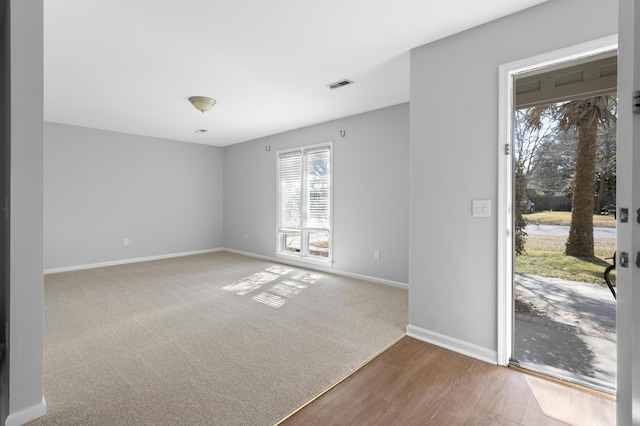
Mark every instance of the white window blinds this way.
pixel 290 176
pixel 317 188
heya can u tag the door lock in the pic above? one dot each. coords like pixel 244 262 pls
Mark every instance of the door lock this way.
pixel 624 215
pixel 636 102
pixel 624 259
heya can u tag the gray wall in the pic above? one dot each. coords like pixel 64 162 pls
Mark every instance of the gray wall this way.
pixel 371 195
pixel 101 187
pixel 454 159
pixel 26 292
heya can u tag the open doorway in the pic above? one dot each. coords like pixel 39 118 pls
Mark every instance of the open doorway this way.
pixel 547 324
pixel 564 188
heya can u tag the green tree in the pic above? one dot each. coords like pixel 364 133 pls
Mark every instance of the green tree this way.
pixel 605 187
pixel 520 236
pixel 585 116
pixel 555 163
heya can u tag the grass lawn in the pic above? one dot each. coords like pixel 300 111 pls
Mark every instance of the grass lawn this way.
pixel 564 218
pixel 545 254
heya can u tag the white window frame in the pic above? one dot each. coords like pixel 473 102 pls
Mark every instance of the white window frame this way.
pixel 304 255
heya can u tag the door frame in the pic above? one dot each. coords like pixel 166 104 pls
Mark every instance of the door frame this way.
pixel 507 72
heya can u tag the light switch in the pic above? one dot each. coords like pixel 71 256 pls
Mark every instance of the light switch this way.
pixel 481 208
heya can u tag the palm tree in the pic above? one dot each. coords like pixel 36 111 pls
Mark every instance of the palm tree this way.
pixel 584 116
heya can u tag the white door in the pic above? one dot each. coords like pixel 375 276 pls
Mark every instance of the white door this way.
pixel 628 196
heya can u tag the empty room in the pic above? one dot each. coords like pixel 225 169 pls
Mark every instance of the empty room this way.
pixel 287 212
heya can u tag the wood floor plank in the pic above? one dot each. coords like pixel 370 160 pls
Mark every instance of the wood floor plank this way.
pixel 415 383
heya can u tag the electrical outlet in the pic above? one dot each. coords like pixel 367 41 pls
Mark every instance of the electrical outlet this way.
pixel 246 236
pixel 376 254
pixel 126 241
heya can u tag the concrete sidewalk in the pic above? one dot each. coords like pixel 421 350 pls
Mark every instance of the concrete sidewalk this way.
pixel 570 331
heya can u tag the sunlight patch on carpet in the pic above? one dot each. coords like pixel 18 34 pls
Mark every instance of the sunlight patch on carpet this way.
pixel 270 299
pixel 286 288
pixel 279 269
pixel 306 277
pixel 249 284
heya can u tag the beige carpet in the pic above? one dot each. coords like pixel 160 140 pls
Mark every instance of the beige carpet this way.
pixel 213 339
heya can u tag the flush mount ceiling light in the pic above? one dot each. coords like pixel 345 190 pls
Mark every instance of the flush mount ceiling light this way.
pixel 202 103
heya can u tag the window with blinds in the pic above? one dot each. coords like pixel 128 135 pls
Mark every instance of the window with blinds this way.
pixel 304 202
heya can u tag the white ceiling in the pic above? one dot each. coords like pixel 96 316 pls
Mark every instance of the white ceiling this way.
pixel 130 65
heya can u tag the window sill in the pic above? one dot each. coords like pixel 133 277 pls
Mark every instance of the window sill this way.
pixel 305 260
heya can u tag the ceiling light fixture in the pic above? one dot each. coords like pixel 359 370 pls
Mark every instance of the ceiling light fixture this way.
pixel 202 103
pixel 201 131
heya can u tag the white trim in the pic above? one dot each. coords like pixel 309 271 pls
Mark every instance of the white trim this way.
pixel 302 264
pixel 459 346
pixel 505 216
pixel 125 261
pixel 505 213
pixel 28 414
pixel 306 260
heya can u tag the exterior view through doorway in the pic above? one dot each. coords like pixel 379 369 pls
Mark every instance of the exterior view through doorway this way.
pixel 556 313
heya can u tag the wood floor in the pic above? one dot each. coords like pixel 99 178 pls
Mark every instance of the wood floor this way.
pixel 415 383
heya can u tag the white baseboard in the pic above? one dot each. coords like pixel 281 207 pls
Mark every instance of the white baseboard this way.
pixel 125 261
pixel 321 269
pixel 462 347
pixel 257 256
pixel 26 415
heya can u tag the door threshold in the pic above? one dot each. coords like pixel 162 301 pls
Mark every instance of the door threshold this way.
pixel 574 380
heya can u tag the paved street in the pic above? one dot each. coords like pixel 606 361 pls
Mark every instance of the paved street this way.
pixel 572 328
pixel 563 230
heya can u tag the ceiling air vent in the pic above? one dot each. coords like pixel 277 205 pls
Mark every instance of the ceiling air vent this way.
pixel 340 83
